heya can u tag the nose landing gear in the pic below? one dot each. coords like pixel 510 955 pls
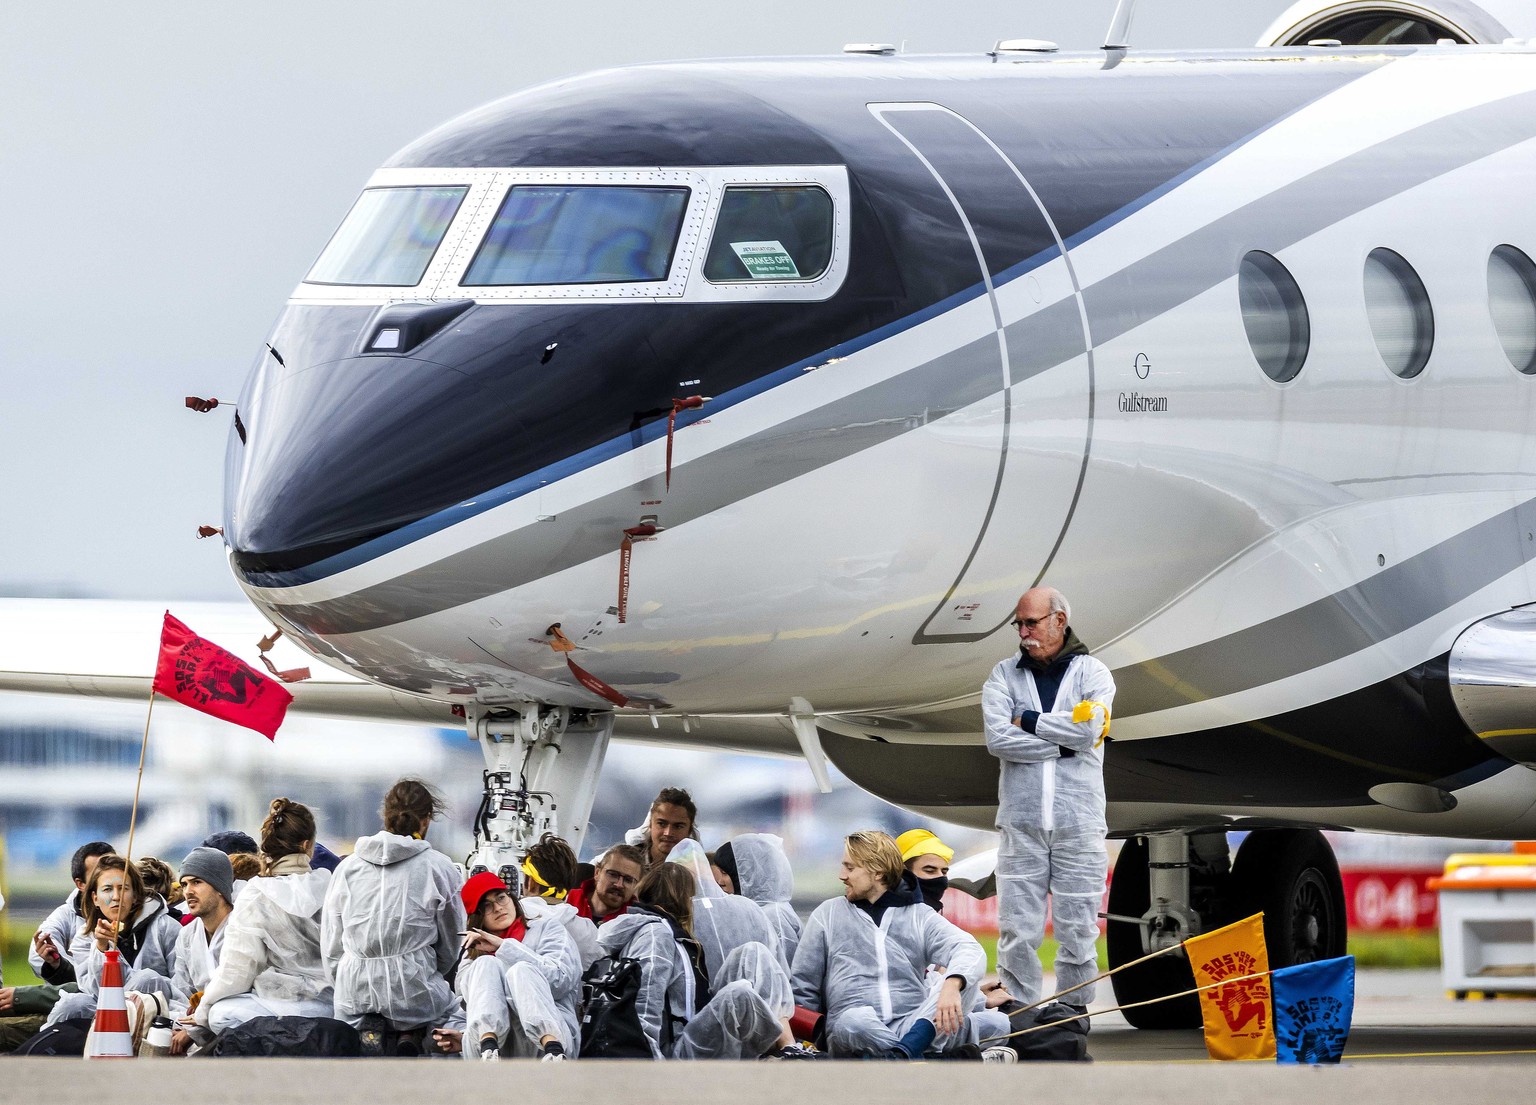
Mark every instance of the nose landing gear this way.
pixel 541 770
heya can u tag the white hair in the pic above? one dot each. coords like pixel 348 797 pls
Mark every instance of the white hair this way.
pixel 1058 602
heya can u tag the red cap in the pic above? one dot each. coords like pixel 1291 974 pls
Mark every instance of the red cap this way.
pixel 478 887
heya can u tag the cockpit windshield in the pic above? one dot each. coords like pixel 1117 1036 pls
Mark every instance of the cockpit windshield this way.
pixel 580 234
pixel 389 237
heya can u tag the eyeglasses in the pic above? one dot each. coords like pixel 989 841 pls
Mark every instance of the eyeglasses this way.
pixel 495 897
pixel 1031 623
pixel 620 878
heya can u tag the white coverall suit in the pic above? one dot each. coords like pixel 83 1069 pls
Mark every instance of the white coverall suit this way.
pixel 1050 815
pixel 873 980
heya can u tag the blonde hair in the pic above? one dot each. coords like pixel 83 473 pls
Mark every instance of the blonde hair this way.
pixel 877 853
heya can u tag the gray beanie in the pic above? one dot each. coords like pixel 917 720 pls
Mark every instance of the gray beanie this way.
pixel 213 867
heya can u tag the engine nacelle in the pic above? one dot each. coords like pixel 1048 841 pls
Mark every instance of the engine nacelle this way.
pixel 1396 23
pixel 1493 682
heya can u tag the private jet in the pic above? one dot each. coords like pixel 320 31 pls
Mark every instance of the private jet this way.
pixel 734 403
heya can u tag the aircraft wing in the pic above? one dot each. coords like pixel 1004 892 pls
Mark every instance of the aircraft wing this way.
pixel 107 648
pixel 100 648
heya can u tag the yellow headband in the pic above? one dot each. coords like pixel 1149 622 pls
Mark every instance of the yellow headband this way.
pixel 533 873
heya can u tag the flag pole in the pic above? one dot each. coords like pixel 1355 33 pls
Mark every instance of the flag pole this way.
pixel 1129 1005
pixel 133 817
pixel 1102 976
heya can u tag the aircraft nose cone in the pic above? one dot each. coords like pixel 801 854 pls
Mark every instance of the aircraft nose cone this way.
pixel 344 454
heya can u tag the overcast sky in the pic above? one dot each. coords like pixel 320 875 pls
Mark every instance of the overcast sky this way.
pixel 169 171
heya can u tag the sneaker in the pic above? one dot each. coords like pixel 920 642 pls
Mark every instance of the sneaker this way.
pixel 797 1051
pixel 370 1033
pixel 552 1052
pixel 490 1050
pixel 1001 1054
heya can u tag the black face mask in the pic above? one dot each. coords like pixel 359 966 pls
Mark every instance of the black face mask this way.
pixel 933 891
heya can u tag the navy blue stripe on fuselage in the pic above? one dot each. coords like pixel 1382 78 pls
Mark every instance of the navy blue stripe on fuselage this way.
pixel 596 455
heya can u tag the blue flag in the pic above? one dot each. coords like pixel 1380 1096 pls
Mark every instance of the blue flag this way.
pixel 1314 1005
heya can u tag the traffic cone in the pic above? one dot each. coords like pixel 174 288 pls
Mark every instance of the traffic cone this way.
pixel 110 1037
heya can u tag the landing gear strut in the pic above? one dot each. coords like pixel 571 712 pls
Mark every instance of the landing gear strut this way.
pixel 541 769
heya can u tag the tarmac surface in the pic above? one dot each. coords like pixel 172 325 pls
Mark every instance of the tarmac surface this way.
pixel 1410 1043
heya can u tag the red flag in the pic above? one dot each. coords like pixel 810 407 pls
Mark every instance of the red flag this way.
pixel 200 674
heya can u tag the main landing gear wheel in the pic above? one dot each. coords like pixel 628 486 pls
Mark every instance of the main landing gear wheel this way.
pixel 1130 896
pixel 1292 877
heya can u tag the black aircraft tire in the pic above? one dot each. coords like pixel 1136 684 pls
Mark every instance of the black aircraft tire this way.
pixel 1292 876
pixel 1129 896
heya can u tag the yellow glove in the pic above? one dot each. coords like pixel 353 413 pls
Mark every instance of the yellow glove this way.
pixel 1083 711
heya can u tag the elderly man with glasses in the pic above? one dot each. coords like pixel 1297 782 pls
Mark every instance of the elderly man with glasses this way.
pixel 1047 715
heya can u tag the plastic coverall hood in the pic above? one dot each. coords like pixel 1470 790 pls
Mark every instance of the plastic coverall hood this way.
pixel 764 868
pixel 383 849
pixel 722 922
pixel 766 877
pixel 389 932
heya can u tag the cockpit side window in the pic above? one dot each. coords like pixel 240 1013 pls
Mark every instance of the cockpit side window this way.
pixel 389 237
pixel 768 233
pixel 580 234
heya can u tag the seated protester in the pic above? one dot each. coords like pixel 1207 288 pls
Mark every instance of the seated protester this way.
pixel 549 875
pixel 53 939
pixel 119 914
pixel 863 961
pixel 927 858
pixel 737 1022
pixel 391 924
pixel 271 964
pixel 522 979
pixel 608 893
pixel 722 922
pixel 759 870
pixel 208 890
pixel 672 818
pixel 160 879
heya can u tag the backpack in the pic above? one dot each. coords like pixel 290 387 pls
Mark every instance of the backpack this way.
pixel 610 1018
pixel 59 1038
pixel 289 1037
pixel 1067 1042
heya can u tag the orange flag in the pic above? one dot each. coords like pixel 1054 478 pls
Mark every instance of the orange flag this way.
pixel 1239 1015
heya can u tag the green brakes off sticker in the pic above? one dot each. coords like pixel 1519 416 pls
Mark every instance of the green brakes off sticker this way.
pixel 766 260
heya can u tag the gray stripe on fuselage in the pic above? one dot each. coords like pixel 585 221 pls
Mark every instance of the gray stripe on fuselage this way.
pixel 892 407
pixel 1393 600
pixel 1178 272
